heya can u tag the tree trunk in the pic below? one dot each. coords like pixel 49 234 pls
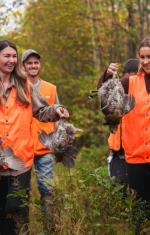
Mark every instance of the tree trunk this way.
pixel 132 36
pixel 95 39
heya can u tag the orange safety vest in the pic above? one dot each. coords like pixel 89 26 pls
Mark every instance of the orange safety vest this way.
pixel 48 92
pixel 136 124
pixel 114 140
pixel 15 128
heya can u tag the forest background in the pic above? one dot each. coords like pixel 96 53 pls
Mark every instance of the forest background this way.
pixel 77 39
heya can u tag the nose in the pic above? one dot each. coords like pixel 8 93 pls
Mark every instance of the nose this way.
pixel 33 65
pixel 146 60
pixel 12 59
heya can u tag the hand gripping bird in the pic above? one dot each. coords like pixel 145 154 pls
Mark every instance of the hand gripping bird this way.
pixel 114 103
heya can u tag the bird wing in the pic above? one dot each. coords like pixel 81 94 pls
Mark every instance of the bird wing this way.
pixel 46 139
pixel 7 156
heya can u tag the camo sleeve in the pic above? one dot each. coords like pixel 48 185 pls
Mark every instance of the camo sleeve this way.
pixel 41 109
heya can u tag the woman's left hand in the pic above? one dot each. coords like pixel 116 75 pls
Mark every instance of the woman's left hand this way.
pixel 62 112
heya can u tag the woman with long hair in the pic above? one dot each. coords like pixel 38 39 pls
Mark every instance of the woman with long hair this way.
pixel 18 104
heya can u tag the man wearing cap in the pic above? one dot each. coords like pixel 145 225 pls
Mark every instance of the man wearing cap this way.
pixel 44 158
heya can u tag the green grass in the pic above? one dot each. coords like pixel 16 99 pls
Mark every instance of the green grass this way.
pixel 86 201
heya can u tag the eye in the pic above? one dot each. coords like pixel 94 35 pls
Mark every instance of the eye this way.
pixel 142 57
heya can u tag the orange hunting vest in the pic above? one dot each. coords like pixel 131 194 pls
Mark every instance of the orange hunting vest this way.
pixel 114 140
pixel 15 128
pixel 136 124
pixel 48 92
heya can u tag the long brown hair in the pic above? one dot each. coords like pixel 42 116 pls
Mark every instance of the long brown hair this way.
pixel 18 75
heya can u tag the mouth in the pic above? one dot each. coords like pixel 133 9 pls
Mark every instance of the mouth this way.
pixel 147 68
pixel 11 67
pixel 33 70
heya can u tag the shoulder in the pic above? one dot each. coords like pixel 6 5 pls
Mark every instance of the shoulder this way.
pixel 136 77
pixel 47 84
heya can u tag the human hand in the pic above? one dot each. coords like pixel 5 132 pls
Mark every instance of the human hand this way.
pixel 112 68
pixel 62 112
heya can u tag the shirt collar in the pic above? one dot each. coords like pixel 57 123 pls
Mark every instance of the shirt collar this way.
pixel 12 82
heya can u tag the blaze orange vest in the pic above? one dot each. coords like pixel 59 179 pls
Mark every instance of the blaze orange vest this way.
pixel 48 92
pixel 136 124
pixel 15 128
pixel 114 140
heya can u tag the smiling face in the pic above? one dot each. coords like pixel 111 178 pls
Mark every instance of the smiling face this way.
pixel 32 66
pixel 8 60
pixel 144 54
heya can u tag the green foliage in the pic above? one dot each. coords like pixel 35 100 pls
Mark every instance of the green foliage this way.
pixel 77 39
pixel 67 57
pixel 87 202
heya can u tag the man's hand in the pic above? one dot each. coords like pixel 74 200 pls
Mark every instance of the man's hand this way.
pixel 62 112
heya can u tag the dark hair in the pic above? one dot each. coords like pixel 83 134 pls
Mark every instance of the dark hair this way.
pixel 145 42
pixel 18 75
pixel 131 66
pixel 6 43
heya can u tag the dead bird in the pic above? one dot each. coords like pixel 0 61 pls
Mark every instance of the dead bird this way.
pixel 114 103
pixel 8 160
pixel 62 142
pixel 68 157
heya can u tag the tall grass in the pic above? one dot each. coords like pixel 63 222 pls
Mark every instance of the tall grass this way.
pixel 86 201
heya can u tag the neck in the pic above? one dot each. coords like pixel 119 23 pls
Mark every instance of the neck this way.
pixel 34 80
pixel 5 77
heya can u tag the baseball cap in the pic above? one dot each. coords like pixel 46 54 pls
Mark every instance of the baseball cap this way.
pixel 28 53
